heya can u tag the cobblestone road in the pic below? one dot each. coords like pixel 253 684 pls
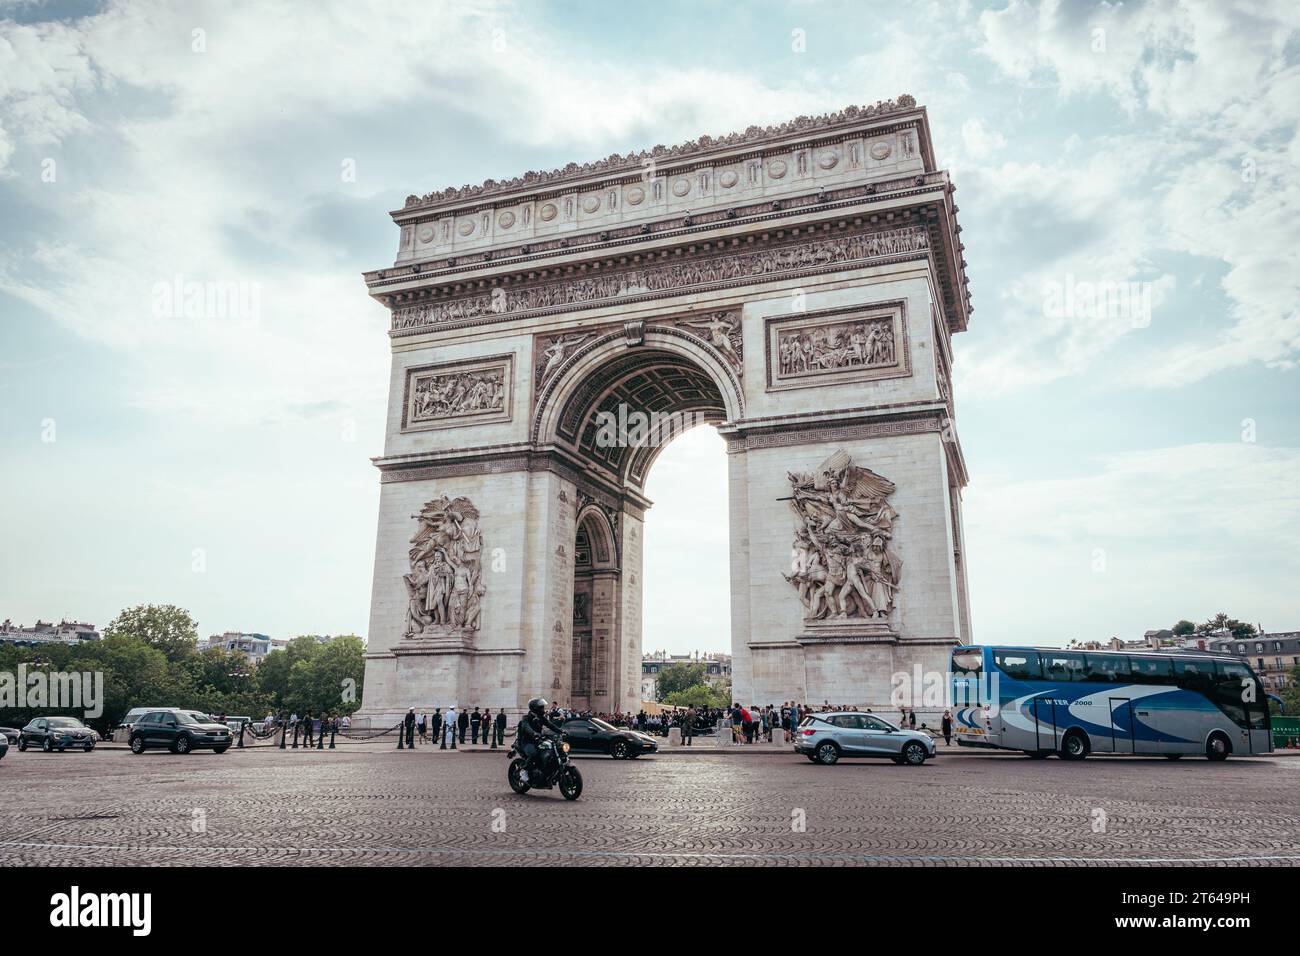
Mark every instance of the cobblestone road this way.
pixel 366 805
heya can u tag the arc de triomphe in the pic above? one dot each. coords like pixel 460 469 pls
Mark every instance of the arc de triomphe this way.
pixel 798 287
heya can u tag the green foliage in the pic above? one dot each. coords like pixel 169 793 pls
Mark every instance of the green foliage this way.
pixel 149 658
pixel 698 695
pixel 166 627
pixel 678 677
pixel 1221 622
pixel 1291 696
pixel 1184 628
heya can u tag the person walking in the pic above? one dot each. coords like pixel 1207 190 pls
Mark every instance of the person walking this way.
pixel 409 724
pixel 435 726
pixel 946 726
pixel 422 726
pixel 911 718
pixel 306 727
pixel 688 726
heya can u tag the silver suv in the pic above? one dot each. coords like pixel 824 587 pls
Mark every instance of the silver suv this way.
pixel 825 738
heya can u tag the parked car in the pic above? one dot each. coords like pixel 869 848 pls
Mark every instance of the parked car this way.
pixel 10 734
pixel 135 713
pixel 179 731
pixel 57 733
pixel 592 735
pixel 4 746
pixel 825 738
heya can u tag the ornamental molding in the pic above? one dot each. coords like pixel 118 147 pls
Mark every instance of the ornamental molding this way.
pixel 634 163
pixel 783 259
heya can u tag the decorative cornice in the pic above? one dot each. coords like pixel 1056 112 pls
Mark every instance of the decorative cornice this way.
pixel 793 258
pixel 635 161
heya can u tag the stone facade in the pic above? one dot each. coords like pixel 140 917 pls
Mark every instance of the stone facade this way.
pixel 797 287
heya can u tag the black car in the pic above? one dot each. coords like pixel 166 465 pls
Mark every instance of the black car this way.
pixel 592 735
pixel 10 734
pixel 56 733
pixel 179 731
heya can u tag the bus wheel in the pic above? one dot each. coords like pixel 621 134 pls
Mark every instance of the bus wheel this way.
pixel 1218 747
pixel 1074 746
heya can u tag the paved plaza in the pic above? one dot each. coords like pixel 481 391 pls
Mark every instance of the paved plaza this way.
pixel 367 804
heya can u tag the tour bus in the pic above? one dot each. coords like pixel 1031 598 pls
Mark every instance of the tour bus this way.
pixel 1045 700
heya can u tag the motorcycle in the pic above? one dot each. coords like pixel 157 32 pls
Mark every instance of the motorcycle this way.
pixel 551 768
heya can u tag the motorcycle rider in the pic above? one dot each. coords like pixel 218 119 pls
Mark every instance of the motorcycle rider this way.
pixel 532 728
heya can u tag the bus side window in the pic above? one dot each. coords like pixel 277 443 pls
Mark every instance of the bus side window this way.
pixel 1148 670
pixel 1195 676
pixel 1064 667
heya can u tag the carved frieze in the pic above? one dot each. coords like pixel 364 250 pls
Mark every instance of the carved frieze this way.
pixel 843 567
pixel 445 583
pixel 837 345
pixel 668 278
pixel 458 393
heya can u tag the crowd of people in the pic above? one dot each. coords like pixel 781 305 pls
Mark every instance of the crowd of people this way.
pixel 747 725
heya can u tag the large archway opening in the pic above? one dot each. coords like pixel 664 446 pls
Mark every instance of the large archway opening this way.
pixel 617 413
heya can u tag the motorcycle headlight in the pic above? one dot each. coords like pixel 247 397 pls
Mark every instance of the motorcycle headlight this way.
pixel 566 747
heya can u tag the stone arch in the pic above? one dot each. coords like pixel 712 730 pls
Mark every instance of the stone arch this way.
pixel 670 372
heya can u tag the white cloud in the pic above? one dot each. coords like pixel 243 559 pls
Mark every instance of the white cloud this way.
pixel 1150 537
pixel 981 142
pixel 1215 78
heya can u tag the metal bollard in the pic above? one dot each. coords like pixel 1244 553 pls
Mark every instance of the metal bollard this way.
pixel 320 737
pixel 333 730
pixel 240 745
pixel 295 737
pixel 401 732
pixel 284 732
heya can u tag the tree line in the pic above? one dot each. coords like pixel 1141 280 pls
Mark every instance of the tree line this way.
pixel 149 657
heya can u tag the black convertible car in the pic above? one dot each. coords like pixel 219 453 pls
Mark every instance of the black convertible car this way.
pixel 593 735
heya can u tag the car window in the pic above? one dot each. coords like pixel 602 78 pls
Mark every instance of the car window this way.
pixel 577 725
pixel 601 725
pixel 875 723
pixel 848 721
pixel 64 722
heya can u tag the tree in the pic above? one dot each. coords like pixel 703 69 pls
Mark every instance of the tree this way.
pixel 678 677
pixel 1221 622
pixel 166 627
pixel 697 695
pixel 1184 628
pixel 1291 696
pixel 327 679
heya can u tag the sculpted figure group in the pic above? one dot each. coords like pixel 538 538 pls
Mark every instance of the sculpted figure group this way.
pixel 445 583
pixel 843 567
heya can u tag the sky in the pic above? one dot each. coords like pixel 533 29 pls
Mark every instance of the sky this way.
pixel 1129 466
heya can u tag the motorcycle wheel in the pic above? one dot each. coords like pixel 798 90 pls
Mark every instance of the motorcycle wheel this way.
pixel 571 783
pixel 516 784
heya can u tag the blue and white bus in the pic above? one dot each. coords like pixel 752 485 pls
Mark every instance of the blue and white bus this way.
pixel 1045 700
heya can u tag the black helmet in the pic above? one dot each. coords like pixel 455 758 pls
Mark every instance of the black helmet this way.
pixel 537 706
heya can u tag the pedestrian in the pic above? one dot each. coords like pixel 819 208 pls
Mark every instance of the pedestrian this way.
pixel 462 725
pixel 500 739
pixel 409 724
pixel 422 725
pixel 688 726
pixel 306 721
pixel 435 726
pixel 947 727
pixel 487 724
pixel 475 722
pixel 911 718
